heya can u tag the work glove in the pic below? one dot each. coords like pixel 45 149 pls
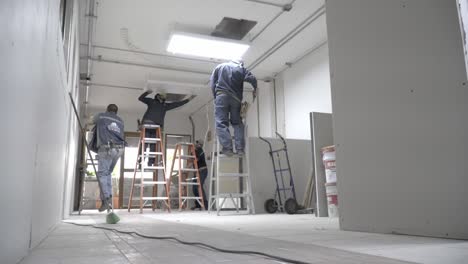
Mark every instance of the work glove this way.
pixel 147 90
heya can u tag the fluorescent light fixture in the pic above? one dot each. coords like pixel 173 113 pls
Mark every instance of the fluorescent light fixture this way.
pixel 206 46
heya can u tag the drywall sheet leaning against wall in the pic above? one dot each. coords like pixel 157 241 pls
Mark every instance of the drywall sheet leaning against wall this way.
pixel 321 132
pixel 261 168
pixel 400 105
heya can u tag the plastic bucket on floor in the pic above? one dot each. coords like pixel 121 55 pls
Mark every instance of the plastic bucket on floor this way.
pixel 328 157
pixel 332 199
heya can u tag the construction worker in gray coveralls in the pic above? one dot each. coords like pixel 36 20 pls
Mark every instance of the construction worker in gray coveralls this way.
pixel 111 143
pixel 227 84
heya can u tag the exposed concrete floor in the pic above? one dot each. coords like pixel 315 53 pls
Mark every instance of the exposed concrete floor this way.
pixel 301 237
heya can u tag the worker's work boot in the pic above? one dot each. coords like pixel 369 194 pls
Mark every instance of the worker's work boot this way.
pixel 104 205
pixel 240 152
pixel 226 153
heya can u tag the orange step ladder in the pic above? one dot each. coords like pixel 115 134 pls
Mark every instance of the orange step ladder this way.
pixel 184 155
pixel 150 137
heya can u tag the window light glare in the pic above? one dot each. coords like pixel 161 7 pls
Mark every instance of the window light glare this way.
pixel 206 47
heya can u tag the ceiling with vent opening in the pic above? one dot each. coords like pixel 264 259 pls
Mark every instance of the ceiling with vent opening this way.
pixel 130 40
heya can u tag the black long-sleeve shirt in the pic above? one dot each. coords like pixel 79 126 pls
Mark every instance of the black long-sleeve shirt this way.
pixel 156 110
pixel 201 162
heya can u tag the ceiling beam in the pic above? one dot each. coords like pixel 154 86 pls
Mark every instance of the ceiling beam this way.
pixel 138 64
pixel 152 54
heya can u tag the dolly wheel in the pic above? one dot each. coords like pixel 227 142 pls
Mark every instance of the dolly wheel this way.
pixel 291 206
pixel 271 206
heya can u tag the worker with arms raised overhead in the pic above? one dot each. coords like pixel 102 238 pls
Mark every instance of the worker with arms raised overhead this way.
pixel 156 112
pixel 227 84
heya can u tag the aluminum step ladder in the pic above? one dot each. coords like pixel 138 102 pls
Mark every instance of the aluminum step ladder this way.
pixel 86 179
pixel 150 147
pixel 185 156
pixel 218 176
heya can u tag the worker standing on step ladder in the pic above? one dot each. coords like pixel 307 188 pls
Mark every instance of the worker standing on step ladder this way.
pixel 227 84
pixel 111 143
pixel 203 171
pixel 156 112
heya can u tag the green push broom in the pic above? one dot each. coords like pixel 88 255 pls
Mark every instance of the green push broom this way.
pixel 111 218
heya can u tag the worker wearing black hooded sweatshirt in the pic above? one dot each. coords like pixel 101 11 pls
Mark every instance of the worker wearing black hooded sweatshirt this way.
pixel 156 112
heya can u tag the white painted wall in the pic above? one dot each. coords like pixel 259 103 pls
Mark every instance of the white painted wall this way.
pixel 302 89
pixel 400 124
pixel 36 115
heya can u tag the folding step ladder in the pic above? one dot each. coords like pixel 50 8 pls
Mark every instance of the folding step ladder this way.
pixel 84 179
pixel 218 198
pixel 184 155
pixel 150 146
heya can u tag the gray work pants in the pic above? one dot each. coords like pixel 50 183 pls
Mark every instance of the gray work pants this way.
pixel 227 109
pixel 107 158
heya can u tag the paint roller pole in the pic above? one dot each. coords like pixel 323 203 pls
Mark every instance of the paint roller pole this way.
pixel 111 218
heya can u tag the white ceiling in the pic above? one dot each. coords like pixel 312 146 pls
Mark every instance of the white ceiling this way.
pixel 147 24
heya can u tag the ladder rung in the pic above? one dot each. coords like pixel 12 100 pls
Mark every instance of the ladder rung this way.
pixel 231 195
pixel 189 169
pixel 154 198
pixel 225 174
pixel 234 156
pixel 185 157
pixel 185 143
pixel 151 154
pixel 151 183
pixel 278 150
pixel 189 183
pixel 150 126
pixel 151 140
pixel 154 168
pixel 190 197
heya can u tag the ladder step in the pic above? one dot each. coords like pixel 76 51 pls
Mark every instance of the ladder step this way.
pixel 190 197
pixel 151 154
pixel 233 195
pixel 154 198
pixel 150 126
pixel 234 156
pixel 278 150
pixel 225 174
pixel 151 140
pixel 151 183
pixel 154 168
pixel 188 169
pixel 189 183
pixel 185 157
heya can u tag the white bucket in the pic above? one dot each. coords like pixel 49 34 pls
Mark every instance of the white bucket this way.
pixel 330 175
pixel 332 199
